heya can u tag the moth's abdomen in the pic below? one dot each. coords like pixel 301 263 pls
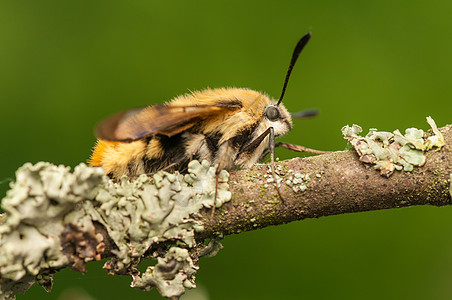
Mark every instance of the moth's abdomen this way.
pixel 139 157
pixel 165 152
pixel 117 157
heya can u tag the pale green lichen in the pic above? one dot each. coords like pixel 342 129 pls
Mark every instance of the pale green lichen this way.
pixel 137 214
pixel 154 213
pixel 35 208
pixel 394 151
pixel 171 275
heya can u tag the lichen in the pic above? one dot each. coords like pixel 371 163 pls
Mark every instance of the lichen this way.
pixel 49 215
pixel 297 181
pixel 35 208
pixel 154 210
pixel 171 275
pixel 394 151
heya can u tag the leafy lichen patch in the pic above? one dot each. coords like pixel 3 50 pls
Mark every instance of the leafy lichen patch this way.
pixel 171 275
pixel 156 210
pixel 49 215
pixel 394 151
pixel 35 210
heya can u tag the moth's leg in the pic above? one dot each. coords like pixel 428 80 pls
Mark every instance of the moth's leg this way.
pixel 152 173
pixel 271 141
pixel 168 167
pixel 225 156
pixel 292 147
pixel 225 160
pixel 298 148
pixel 256 142
pixel 176 165
pixel 271 146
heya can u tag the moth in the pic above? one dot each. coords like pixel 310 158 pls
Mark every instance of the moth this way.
pixel 230 127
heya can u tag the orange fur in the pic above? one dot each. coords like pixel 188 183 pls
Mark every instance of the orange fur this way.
pixel 114 157
pixel 99 150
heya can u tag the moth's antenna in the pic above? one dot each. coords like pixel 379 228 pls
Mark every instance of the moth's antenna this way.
pixel 296 52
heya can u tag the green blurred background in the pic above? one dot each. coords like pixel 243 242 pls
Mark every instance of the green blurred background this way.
pixel 65 65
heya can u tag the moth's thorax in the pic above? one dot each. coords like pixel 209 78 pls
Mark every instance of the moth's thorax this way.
pixel 251 114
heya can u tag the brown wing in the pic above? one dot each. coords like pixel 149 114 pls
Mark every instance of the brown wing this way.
pixel 168 120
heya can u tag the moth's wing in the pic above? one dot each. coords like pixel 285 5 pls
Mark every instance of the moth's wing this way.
pixel 167 120
pixel 106 130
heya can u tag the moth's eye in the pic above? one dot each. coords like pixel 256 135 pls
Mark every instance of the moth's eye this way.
pixel 272 113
